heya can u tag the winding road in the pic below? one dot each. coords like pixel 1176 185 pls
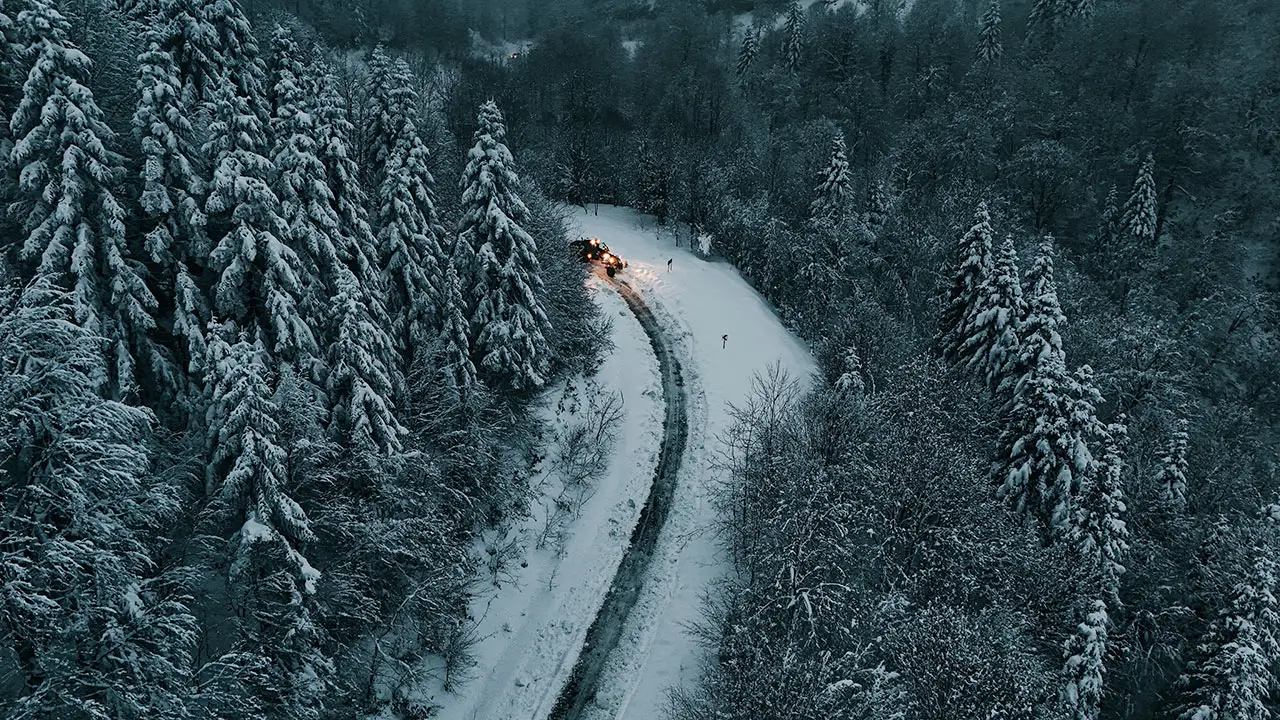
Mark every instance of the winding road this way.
pixel 602 637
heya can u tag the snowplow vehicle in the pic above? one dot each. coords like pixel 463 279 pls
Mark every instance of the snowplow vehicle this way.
pixel 592 250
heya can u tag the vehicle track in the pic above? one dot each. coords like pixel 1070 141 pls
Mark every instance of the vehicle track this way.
pixel 624 591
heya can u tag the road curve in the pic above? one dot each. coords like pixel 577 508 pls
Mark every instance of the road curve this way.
pixel 606 629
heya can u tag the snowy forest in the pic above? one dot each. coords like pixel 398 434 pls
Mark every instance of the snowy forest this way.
pixel 282 285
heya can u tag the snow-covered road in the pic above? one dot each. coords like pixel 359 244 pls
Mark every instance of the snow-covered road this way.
pixel 531 628
pixel 698 301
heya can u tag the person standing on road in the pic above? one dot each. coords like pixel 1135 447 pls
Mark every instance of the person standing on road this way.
pixel 669 264
pixel 724 341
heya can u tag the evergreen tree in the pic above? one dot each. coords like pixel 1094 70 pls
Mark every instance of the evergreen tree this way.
pixel 75 235
pixel 877 213
pixel 1085 667
pixel 990 44
pixel 457 356
pixel 409 232
pixel 748 51
pixel 360 386
pixel 991 338
pixel 1103 539
pixel 1044 457
pixel 1138 220
pixel 834 192
pixel 359 247
pixel 793 48
pixel 509 320
pixel 1171 478
pixel 1232 677
pixel 89 631
pixel 235 57
pixel 259 281
pixel 1045 17
pixel 270 579
pixel 1108 222
pixel 172 191
pixel 302 185
pixel 973 268
pixel 193 43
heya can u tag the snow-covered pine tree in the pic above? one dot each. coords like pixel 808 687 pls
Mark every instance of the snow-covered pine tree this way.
pixel 1171 477
pixel 259 283
pixel 1103 534
pixel 973 266
pixel 236 55
pixel 172 191
pixel 834 192
pixel 509 320
pixel 1232 676
pixel 455 337
pixel 1044 457
pixel 247 473
pixel 302 185
pixel 67 205
pixel 89 630
pixel 1108 222
pixel 793 32
pixel 1085 667
pixel 270 580
pixel 748 51
pixel 359 247
pixel 1138 220
pixel 1044 18
pixel 193 42
pixel 409 235
pixel 991 337
pixel 877 212
pixel 990 44
pixel 360 387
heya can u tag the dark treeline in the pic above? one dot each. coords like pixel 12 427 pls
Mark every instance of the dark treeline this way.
pixel 264 377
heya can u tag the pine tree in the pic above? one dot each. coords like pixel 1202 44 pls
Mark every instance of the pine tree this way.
pixel 66 200
pixel 409 231
pixel 235 56
pixel 1108 222
pixel 1044 457
pixel 509 320
pixel 1085 667
pixel 1171 478
pixel 1045 17
pixel 1232 676
pixel 793 49
pixel 990 44
pixel 247 470
pixel 834 191
pixel 172 190
pixel 748 51
pixel 271 581
pixel 973 268
pixel 1103 534
pixel 89 630
pixel 360 386
pixel 359 247
pixel 259 281
pixel 877 213
pixel 194 45
pixel 1138 220
pixel 991 337
pixel 307 205
pixel 1079 8
pixel 457 356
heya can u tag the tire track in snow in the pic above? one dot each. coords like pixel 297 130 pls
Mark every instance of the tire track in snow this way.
pixel 603 635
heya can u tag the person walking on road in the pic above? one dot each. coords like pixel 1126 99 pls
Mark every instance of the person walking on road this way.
pixel 724 341
pixel 669 264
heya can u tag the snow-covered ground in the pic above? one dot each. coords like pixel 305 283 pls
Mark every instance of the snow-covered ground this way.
pixel 698 302
pixel 531 628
